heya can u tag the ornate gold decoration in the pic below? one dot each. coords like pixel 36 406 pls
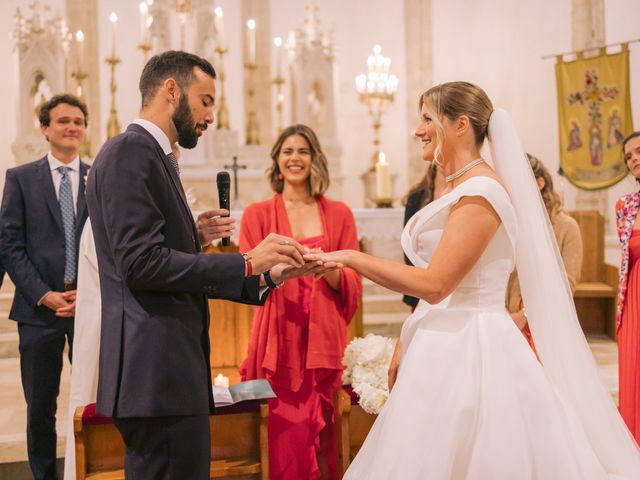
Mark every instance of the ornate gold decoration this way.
pixel 278 82
pixel 252 130
pixel 377 89
pixel 223 110
pixel 113 126
pixel 183 8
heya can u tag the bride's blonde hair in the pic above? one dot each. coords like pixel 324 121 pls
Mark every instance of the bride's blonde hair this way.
pixel 452 100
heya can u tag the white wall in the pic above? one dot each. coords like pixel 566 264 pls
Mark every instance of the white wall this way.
pixel 497 44
pixel 620 27
pixel 358 25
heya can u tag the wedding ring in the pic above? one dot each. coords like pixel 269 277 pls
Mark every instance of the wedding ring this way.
pixel 286 242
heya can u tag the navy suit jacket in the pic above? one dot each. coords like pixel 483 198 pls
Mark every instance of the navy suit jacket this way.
pixel 154 282
pixel 32 244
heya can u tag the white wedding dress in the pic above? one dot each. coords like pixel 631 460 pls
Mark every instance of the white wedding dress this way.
pixel 471 400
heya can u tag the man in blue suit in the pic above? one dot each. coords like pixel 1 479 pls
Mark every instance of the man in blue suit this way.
pixel 43 212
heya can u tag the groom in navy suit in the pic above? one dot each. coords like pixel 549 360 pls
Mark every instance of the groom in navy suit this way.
pixel 155 378
pixel 43 212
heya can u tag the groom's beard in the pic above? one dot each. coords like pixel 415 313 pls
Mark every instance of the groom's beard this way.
pixel 185 125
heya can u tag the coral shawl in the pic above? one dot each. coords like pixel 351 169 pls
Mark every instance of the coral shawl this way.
pixel 276 350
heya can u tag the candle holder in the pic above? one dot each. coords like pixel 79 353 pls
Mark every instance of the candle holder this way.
pixel 145 48
pixel 252 130
pixel 79 76
pixel 223 110
pixel 113 125
pixel 377 90
pixel 383 202
pixel 278 82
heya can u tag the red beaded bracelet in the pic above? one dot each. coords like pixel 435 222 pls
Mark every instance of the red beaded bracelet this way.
pixel 248 265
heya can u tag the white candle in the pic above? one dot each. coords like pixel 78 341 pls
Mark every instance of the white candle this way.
pixel 80 42
pixel 251 24
pixel 219 26
pixel 221 381
pixel 278 44
pixel 383 180
pixel 113 18
pixel 144 13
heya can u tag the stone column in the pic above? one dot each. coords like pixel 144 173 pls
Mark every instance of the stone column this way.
pixel 418 73
pixel 83 15
pixel 259 10
pixel 587 31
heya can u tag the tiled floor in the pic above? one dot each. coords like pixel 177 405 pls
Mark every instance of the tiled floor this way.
pixel 13 408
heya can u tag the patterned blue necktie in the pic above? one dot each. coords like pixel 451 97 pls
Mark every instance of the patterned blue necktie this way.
pixel 69 224
pixel 174 162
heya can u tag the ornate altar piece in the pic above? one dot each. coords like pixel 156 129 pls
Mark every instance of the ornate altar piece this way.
pixel 311 91
pixel 42 44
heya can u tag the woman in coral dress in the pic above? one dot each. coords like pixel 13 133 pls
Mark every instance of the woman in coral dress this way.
pixel 628 312
pixel 299 336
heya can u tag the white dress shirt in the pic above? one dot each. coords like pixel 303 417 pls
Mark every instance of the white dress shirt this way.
pixel 74 176
pixel 156 132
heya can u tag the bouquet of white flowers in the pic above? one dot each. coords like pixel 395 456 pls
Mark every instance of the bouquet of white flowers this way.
pixel 367 361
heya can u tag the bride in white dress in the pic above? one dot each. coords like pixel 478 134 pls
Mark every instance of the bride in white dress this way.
pixel 471 401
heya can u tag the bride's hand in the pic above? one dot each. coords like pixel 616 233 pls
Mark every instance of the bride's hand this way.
pixel 318 268
pixel 394 366
pixel 338 257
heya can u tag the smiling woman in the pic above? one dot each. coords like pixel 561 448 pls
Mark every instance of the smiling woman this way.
pixel 298 337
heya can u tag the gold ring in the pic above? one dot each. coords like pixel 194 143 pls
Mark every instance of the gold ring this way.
pixel 286 242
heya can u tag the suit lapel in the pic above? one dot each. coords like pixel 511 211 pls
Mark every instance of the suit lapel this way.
pixel 173 175
pixel 46 183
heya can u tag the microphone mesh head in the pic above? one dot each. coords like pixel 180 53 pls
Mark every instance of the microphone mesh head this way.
pixel 223 178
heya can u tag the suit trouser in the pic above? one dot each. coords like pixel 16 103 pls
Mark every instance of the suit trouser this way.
pixel 166 448
pixel 41 351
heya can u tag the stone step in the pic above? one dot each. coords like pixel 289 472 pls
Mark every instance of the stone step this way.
pixel 9 345
pixel 385 303
pixel 7 325
pixel 6 298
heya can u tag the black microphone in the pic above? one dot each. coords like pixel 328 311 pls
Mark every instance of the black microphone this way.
pixel 224 184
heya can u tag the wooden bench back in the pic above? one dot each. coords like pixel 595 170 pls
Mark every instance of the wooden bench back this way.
pixel 239 447
pixel 591 225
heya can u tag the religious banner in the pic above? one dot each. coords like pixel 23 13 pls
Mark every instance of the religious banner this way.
pixel 594 115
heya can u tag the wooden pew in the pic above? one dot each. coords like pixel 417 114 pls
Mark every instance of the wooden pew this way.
pixel 239 444
pixel 595 295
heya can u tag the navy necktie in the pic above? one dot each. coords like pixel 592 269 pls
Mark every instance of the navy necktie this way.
pixel 69 225
pixel 174 162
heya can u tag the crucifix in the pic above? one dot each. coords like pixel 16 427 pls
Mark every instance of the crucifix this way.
pixel 234 168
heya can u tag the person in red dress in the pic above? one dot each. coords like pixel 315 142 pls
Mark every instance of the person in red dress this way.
pixel 628 312
pixel 299 336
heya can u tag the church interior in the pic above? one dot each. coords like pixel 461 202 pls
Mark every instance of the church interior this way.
pixel 282 62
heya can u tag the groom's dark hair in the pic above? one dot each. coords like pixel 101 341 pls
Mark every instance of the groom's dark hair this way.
pixel 174 64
